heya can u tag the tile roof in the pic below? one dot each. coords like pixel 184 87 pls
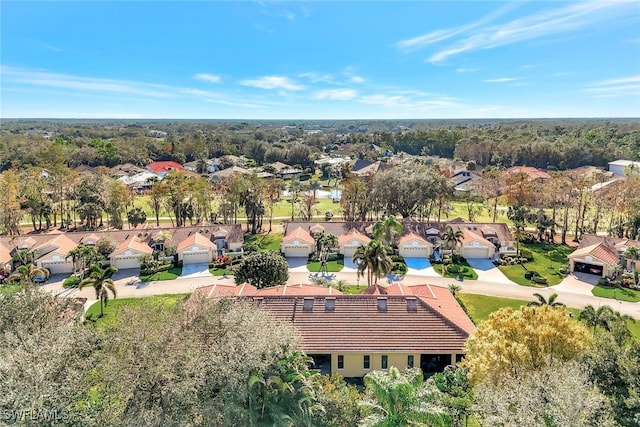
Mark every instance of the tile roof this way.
pixel 61 244
pixel 601 251
pixel 299 234
pixel 132 243
pixel 5 254
pixel 353 234
pixel 356 324
pixel 196 238
pixel 164 166
pixel 469 236
pixel 411 236
pixel 247 290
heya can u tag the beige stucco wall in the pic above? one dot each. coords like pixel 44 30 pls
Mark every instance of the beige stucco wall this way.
pixel 354 362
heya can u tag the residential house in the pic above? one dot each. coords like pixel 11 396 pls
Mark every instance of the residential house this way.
pixel 411 245
pixel 464 180
pixel 53 254
pixel 534 174
pixel 297 243
pixel 128 253
pixel 228 172
pixel 597 255
pixel 162 168
pixel 197 248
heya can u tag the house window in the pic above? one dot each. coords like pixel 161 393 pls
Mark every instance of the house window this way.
pixel 382 304
pixel 366 362
pixel 340 361
pixel 329 304
pixel 410 361
pixel 308 304
pixel 412 304
pixel 384 361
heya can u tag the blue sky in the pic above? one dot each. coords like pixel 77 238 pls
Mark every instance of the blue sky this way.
pixel 319 60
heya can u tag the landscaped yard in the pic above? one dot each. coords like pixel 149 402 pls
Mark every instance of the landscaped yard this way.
pixel 465 271
pixel 545 265
pixel 266 242
pixel 216 271
pixel 9 288
pixel 480 307
pixel 620 294
pixel 332 266
pixel 172 273
pixel 111 310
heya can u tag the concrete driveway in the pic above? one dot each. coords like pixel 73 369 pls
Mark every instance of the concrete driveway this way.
pixel 297 264
pixel 190 271
pixel 577 283
pixel 487 272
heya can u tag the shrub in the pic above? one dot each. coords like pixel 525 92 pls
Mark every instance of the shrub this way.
pixel 540 280
pixel 397 258
pixel 527 254
pixel 399 268
pixel 71 282
pixel 157 269
pixel 603 281
pixel 453 268
pixel 250 247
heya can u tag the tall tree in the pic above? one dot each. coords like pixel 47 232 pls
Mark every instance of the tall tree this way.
pixel 101 280
pixel 451 238
pixel 374 259
pixel 388 230
pixel 541 300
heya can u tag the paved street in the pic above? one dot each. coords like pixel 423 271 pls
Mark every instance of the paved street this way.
pixel 572 292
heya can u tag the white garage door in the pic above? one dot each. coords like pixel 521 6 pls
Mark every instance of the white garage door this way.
pixel 414 251
pixel 124 262
pixel 56 267
pixel 200 257
pixel 293 251
pixel 480 252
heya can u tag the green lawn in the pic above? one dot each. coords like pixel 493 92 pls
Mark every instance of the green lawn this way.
pixel 282 209
pixel 620 294
pixel 353 289
pixel 111 310
pixel 220 271
pixel 332 266
pixel 542 264
pixel 172 273
pixel 267 242
pixel 9 288
pixel 466 271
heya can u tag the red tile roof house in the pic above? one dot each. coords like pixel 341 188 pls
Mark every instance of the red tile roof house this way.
pixel 597 255
pixel 164 167
pixel 404 326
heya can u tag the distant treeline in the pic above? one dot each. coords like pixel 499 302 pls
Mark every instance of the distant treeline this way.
pixel 558 144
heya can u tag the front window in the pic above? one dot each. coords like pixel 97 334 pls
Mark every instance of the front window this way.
pixel 366 362
pixel 340 361
pixel 384 362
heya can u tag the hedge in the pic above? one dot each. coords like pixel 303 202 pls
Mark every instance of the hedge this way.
pixel 71 282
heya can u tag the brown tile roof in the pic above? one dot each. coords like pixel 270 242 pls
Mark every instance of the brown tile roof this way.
pixel 439 298
pixel 196 239
pixel 487 230
pixel 316 228
pixel 298 234
pixel 601 251
pixel 132 243
pixel 353 234
pixel 469 236
pixel 90 238
pixel 357 325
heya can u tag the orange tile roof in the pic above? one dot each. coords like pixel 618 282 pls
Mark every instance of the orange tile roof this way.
pixel 299 234
pixel 469 236
pixel 300 289
pixel 196 239
pixel 598 250
pixel 5 254
pixel 355 324
pixel 61 244
pixel 353 234
pixel 90 238
pixel 219 290
pixel 164 166
pixel 411 236
pixel 132 243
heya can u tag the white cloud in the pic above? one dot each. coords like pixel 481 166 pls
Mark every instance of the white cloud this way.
pixel 315 77
pixel 502 80
pixel 441 35
pixel 613 88
pixel 352 76
pixel 85 84
pixel 211 78
pixel 272 82
pixel 466 70
pixel 570 17
pixel 335 94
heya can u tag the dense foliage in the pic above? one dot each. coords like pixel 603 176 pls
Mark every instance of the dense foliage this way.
pixel 263 269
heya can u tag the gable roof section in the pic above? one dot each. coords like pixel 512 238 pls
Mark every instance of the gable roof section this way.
pixel 469 236
pixel 5 254
pixel 600 251
pixel 60 244
pixel 356 325
pixel 411 236
pixel 164 166
pixel 134 244
pixel 299 290
pixel 195 239
pixel 299 234
pixel 353 234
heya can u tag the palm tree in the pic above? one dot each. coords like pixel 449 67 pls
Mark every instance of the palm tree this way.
pixel 452 238
pixel 387 230
pixel 27 273
pixel 541 300
pixel 294 189
pixel 102 282
pixel 399 399
pixel 374 259
pixel 633 254
pixel 518 233
pixel 603 317
pixel 454 289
